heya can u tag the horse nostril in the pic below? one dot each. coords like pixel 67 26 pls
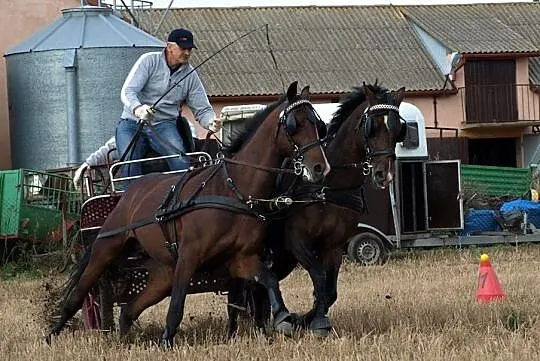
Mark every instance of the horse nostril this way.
pixel 379 176
pixel 318 169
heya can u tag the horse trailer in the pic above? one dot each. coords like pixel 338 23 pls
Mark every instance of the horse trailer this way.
pixel 423 207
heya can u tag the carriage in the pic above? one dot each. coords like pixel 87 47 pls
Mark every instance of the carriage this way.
pixel 102 189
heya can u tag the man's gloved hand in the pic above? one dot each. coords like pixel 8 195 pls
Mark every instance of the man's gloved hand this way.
pixel 144 112
pixel 78 174
pixel 215 126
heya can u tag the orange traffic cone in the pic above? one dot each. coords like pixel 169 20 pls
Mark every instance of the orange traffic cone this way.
pixel 488 288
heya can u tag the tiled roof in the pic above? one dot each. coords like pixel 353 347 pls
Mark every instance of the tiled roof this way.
pixel 335 48
pixel 484 28
pixel 473 28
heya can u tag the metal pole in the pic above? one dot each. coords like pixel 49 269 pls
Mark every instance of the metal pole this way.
pixel 163 18
pixel 395 214
pixel 70 64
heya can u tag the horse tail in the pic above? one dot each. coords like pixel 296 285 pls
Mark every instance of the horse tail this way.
pixel 76 274
pixel 55 294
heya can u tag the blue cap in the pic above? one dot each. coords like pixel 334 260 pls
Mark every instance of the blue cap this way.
pixel 182 37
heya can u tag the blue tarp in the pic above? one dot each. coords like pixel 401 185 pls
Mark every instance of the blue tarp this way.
pixel 531 208
pixel 480 220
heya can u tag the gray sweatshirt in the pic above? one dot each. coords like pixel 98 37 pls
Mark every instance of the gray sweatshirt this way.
pixel 99 157
pixel 150 77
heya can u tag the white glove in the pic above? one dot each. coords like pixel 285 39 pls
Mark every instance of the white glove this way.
pixel 144 112
pixel 78 174
pixel 215 126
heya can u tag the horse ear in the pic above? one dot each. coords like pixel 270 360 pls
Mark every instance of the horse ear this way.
pixel 305 92
pixel 370 96
pixel 398 95
pixel 291 92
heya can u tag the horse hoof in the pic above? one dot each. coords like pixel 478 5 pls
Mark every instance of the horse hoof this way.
pixel 322 332
pixel 48 339
pixel 300 322
pixel 285 328
pixel 166 344
pixel 320 323
pixel 232 334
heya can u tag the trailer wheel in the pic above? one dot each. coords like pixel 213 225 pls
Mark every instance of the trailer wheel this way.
pixel 367 249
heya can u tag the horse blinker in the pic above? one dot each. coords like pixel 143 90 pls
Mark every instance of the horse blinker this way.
pixel 290 123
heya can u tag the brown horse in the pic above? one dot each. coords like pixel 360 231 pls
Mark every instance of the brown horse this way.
pixel 361 139
pixel 205 218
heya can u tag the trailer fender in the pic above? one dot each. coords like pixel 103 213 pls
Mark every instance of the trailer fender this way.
pixel 363 227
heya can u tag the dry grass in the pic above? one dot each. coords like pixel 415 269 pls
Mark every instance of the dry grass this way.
pixel 417 307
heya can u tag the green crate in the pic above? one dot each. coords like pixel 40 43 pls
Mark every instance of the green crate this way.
pixel 498 181
pixel 32 204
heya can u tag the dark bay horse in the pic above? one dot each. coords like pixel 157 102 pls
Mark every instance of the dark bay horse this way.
pixel 361 140
pixel 205 218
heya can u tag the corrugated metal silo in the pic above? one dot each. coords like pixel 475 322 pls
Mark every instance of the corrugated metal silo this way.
pixel 64 86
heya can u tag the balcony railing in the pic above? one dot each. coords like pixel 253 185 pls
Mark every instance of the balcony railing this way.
pixel 499 103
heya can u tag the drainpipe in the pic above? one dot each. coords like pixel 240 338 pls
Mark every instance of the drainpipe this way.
pixel 435 120
pixel 70 65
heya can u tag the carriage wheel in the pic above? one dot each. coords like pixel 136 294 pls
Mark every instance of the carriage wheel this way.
pixel 90 313
pixel 106 305
pixel 367 249
pixel 97 309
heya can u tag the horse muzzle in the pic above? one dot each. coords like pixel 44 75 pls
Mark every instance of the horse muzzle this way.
pixel 383 177
pixel 315 173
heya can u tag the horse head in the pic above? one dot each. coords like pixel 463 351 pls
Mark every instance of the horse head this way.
pixel 298 136
pixel 382 128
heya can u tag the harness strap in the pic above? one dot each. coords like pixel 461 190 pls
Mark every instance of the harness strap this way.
pixel 170 241
pixel 219 202
pixel 352 198
pixel 128 227
pixel 172 192
pixel 231 185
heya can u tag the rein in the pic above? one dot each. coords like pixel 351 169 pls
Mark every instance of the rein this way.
pixel 260 167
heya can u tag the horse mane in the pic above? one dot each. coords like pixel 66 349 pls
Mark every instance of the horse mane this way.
pixel 250 125
pixel 350 102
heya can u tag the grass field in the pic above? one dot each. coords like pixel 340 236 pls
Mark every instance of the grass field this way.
pixel 419 306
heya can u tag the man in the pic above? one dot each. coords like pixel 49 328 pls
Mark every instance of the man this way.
pixel 152 75
pixel 108 153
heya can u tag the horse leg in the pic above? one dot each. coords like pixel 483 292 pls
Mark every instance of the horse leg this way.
pixel 101 254
pixel 261 307
pixel 250 298
pixel 234 301
pixel 332 271
pixel 251 268
pixel 157 288
pixel 185 268
pixel 317 317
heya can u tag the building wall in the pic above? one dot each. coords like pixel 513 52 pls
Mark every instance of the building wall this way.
pixel 22 18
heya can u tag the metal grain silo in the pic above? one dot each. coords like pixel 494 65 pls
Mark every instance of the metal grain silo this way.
pixel 64 86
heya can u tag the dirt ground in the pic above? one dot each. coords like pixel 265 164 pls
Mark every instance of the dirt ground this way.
pixel 419 306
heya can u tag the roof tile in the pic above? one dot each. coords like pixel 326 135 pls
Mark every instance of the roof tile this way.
pixel 333 49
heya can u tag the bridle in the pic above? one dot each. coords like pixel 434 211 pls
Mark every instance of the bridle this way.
pixel 288 121
pixel 367 121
